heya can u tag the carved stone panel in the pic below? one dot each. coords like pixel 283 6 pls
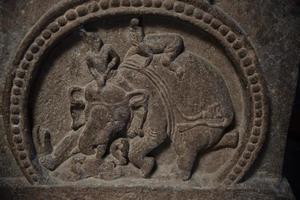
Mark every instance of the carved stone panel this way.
pixel 147 91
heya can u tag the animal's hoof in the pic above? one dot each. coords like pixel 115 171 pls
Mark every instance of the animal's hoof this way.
pixel 147 167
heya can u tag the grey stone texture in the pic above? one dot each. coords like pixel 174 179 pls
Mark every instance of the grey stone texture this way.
pixel 70 77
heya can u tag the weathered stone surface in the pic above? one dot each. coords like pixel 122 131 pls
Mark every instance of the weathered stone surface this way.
pixel 135 191
pixel 124 98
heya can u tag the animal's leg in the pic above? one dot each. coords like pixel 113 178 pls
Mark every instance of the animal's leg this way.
pixel 105 136
pixel 186 147
pixel 94 131
pixel 140 147
pixel 189 143
pixel 185 162
pixel 64 150
pixel 102 125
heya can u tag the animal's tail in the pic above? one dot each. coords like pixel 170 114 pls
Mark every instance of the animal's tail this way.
pixel 213 117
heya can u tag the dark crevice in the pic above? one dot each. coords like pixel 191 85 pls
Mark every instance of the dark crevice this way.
pixel 292 154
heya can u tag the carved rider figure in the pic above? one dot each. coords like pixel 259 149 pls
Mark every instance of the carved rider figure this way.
pixel 101 110
pixel 167 45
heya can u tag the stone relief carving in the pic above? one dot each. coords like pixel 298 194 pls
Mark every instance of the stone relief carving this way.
pixel 135 103
pixel 111 108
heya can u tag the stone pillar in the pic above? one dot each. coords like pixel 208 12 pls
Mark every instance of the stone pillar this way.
pixel 146 99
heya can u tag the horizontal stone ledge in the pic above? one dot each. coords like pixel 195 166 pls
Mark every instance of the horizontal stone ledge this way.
pixel 19 189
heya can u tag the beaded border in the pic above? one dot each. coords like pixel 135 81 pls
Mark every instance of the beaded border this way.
pixel 237 46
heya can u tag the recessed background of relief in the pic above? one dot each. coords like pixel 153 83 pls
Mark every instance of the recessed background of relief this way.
pixel 187 98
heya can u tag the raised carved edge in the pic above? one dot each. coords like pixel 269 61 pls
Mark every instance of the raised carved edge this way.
pixel 68 15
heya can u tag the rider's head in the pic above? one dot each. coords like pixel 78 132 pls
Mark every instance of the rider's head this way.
pixel 134 22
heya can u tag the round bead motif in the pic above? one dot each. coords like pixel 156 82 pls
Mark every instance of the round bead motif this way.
pixel 62 21
pixel 168 4
pixel 179 7
pixel 82 10
pixel 71 15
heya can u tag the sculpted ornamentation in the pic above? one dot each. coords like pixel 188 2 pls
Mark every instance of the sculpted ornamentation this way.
pixel 112 109
pixel 155 105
